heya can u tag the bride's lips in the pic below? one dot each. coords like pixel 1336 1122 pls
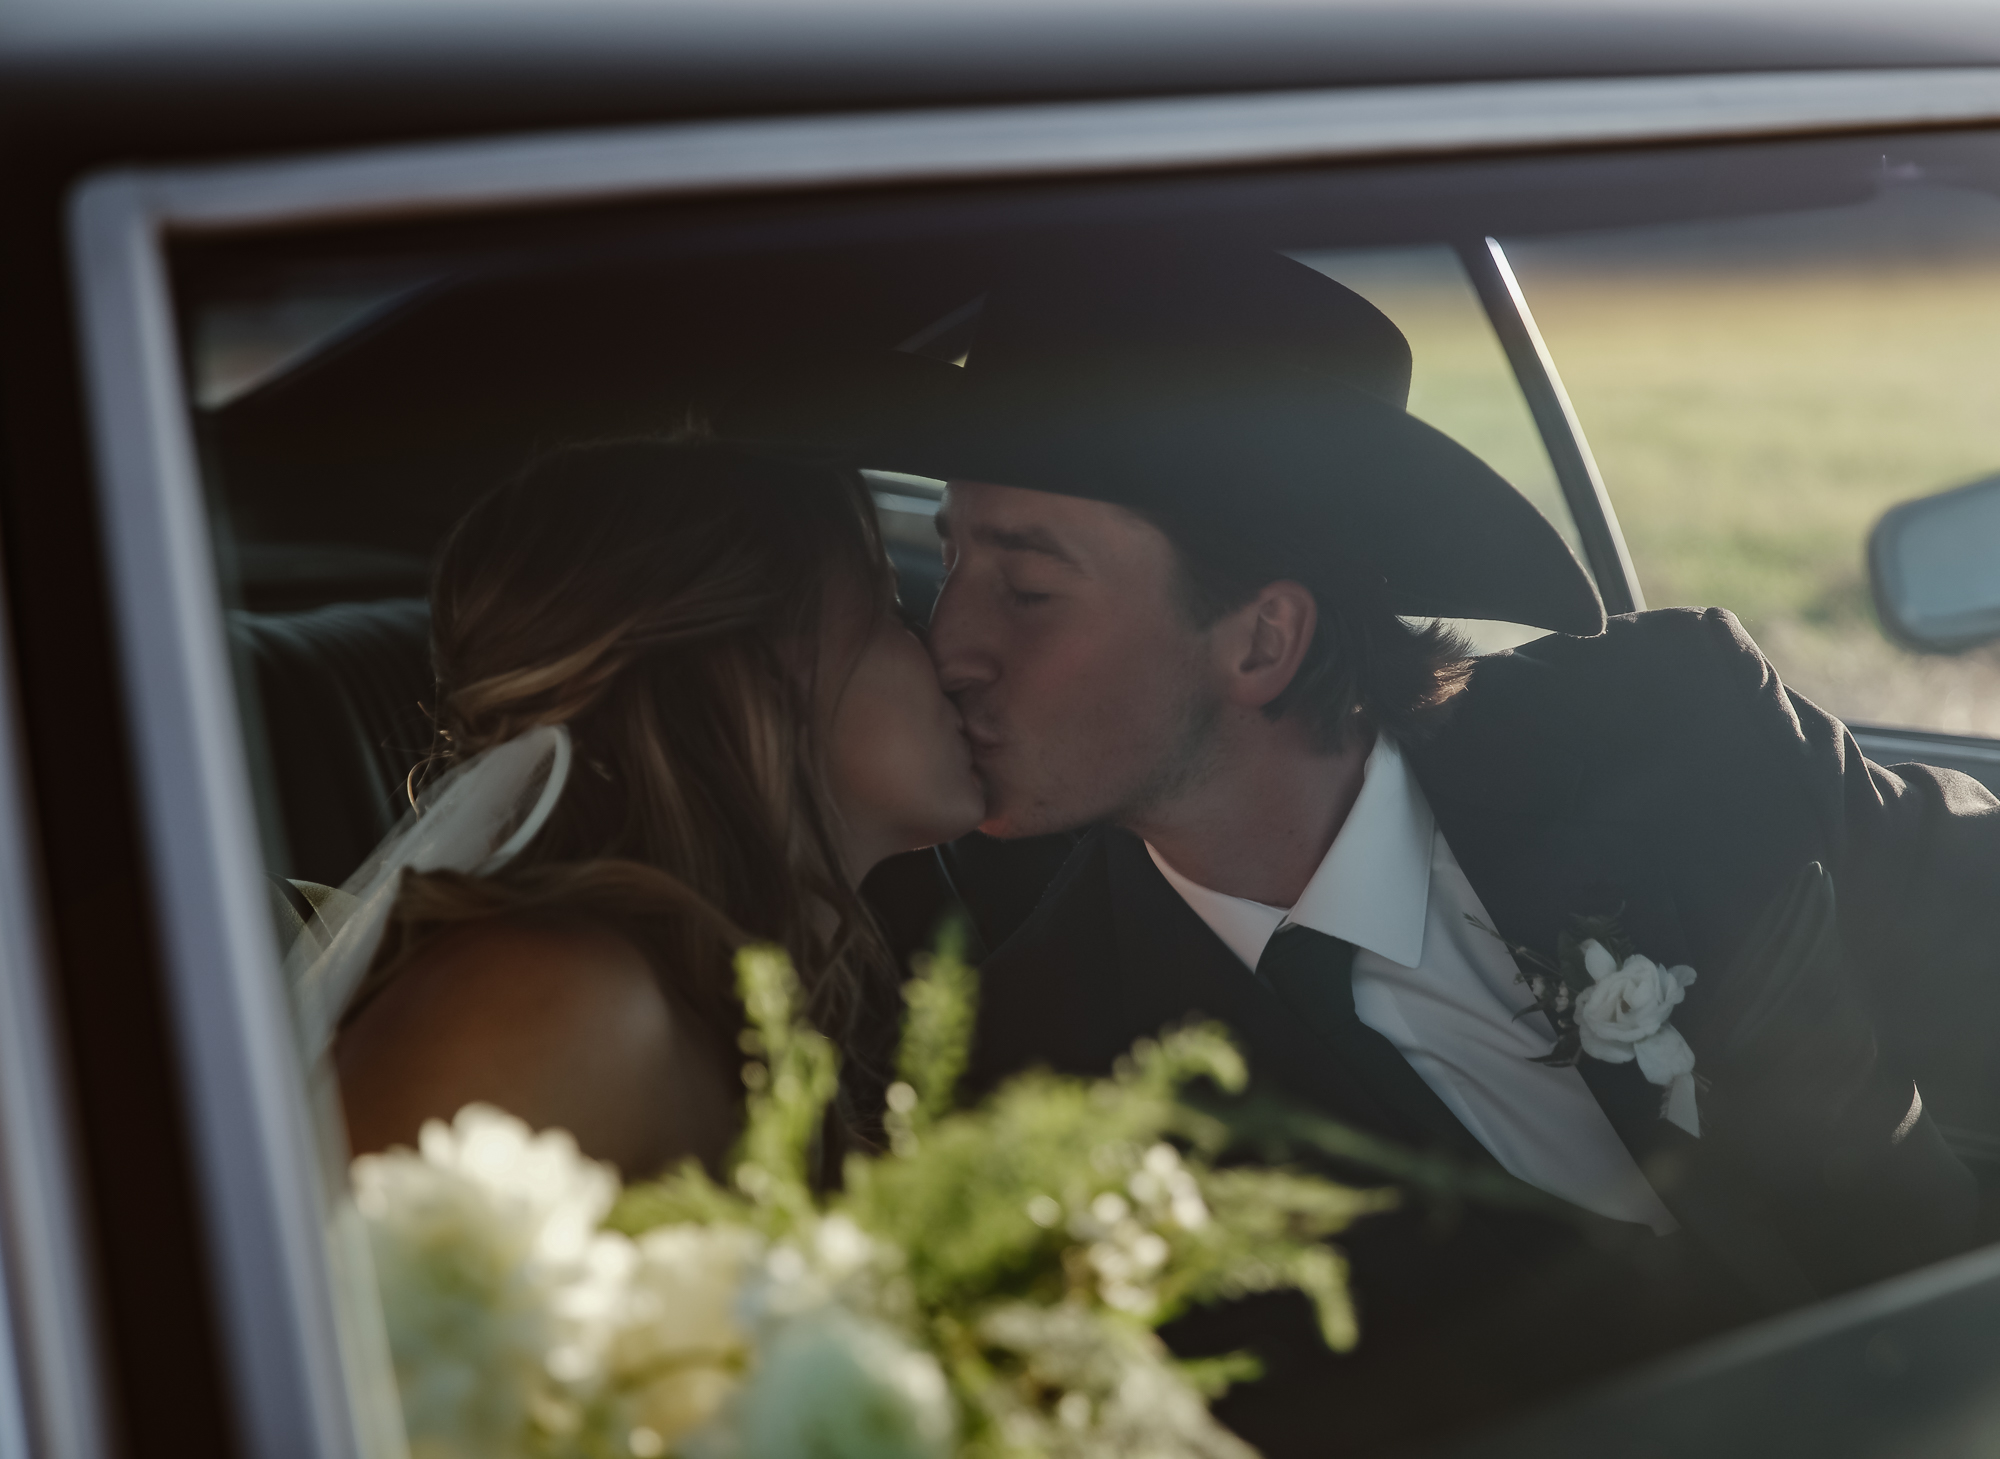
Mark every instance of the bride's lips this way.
pixel 982 739
pixel 983 742
pixel 965 734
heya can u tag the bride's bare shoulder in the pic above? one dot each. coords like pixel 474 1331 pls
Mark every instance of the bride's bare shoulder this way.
pixel 564 1024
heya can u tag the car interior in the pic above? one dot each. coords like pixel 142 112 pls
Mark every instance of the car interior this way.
pixel 406 420
pixel 357 392
pixel 1713 287
pixel 437 359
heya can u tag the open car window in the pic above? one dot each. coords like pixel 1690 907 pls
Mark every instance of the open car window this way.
pixel 1760 391
pixel 1768 345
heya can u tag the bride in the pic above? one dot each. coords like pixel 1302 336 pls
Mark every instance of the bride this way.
pixel 747 727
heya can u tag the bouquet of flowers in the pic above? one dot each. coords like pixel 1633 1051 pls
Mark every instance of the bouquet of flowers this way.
pixel 989 1286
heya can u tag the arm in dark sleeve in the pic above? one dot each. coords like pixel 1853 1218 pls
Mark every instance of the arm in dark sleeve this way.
pixel 1842 1105
pixel 1915 856
pixel 1920 883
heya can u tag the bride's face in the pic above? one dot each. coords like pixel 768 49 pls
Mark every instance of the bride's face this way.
pixel 897 757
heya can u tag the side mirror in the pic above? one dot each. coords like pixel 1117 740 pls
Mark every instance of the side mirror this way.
pixel 1934 564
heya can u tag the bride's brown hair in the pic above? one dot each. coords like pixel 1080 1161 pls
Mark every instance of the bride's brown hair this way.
pixel 666 601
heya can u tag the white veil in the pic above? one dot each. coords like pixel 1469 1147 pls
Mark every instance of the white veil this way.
pixel 475 819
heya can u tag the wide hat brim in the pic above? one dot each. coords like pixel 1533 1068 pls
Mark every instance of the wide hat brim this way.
pixel 1297 476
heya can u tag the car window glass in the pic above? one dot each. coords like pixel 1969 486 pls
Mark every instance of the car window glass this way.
pixel 237 345
pixel 1758 386
pixel 1757 392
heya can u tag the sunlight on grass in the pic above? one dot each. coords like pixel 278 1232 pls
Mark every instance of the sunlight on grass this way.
pixel 1751 429
pixel 1753 420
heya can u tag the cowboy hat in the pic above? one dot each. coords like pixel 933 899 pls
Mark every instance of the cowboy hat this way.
pixel 1242 398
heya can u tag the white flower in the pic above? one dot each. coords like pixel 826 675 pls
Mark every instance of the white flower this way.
pixel 481 1245
pixel 684 1291
pixel 1097 1388
pixel 1623 1016
pixel 677 1345
pixel 837 1386
pixel 1627 1004
pixel 1665 1056
pixel 1168 1189
pixel 841 1248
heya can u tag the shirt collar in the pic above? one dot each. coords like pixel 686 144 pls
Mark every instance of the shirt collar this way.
pixel 1372 887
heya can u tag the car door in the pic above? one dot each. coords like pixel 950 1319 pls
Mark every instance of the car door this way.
pixel 240 1316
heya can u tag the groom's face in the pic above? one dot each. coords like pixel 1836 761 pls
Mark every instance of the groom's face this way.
pixel 1086 689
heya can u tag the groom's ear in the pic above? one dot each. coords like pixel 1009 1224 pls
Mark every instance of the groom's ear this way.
pixel 1263 643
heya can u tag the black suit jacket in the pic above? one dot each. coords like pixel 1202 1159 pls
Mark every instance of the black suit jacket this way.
pixel 1661 769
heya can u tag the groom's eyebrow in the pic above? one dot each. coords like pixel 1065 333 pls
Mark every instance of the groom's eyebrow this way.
pixel 1010 539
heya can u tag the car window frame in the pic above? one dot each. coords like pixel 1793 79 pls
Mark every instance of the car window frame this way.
pixel 51 1348
pixel 1604 549
pixel 263 1190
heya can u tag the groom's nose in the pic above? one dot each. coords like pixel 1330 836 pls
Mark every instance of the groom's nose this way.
pixel 959 647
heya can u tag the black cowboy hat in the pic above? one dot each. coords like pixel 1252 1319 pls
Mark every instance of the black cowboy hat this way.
pixel 1243 397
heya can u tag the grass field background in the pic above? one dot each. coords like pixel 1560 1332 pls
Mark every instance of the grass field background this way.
pixel 1756 394
pixel 1753 424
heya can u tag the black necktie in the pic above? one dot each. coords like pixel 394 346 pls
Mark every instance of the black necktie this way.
pixel 1314 975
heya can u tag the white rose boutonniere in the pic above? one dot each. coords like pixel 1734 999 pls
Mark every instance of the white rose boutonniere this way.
pixel 1614 1006
pixel 1623 1016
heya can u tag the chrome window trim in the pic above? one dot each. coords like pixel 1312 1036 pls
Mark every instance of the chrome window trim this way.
pixel 254 1136
pixel 1610 560
pixel 59 1407
pixel 1972 755
pixel 1890 745
pixel 1058 139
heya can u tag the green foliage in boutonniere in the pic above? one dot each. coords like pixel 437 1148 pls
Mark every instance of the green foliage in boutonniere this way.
pixel 1558 983
pixel 1606 999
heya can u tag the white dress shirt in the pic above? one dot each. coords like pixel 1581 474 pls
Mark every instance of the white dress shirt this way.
pixel 1444 992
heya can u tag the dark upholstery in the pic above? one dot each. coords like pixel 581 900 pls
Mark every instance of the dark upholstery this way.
pixel 341 691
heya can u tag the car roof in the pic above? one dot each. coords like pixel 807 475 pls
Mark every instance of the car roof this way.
pixel 184 75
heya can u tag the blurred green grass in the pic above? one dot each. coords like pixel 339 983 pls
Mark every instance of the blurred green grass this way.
pixel 1753 423
pixel 1752 428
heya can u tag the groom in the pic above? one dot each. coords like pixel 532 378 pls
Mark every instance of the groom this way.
pixel 1188 519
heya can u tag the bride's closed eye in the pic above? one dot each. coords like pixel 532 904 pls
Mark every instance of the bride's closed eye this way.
pixel 919 624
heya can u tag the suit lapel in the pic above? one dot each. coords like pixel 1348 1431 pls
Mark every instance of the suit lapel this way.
pixel 1175 967
pixel 1519 818
pixel 1529 831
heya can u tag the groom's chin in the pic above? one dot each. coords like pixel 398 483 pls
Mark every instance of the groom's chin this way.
pixel 1019 806
pixel 1003 820
pixel 1013 823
